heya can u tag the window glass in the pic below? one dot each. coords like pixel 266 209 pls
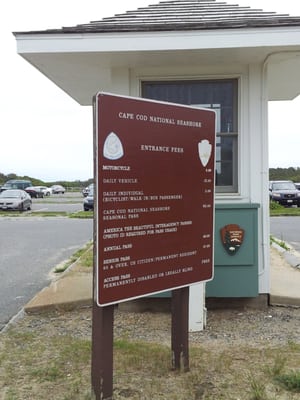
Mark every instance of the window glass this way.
pixel 220 95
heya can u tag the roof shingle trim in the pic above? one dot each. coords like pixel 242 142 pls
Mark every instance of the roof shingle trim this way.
pixel 183 15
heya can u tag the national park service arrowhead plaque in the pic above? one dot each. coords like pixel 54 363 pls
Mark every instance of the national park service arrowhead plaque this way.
pixel 232 237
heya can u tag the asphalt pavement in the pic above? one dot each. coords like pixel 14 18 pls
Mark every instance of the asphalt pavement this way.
pixel 30 246
pixel 74 288
pixel 69 202
pixel 286 229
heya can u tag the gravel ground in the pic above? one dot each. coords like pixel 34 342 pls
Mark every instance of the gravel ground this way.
pixel 276 325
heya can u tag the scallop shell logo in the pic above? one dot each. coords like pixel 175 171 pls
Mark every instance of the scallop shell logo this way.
pixel 113 148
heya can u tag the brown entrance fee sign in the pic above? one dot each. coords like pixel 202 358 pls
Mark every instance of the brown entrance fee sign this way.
pixel 155 168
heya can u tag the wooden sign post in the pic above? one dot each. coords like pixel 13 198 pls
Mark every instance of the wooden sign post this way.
pixel 154 213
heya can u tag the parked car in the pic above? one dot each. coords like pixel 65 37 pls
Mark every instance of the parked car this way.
pixel 56 189
pixel 16 184
pixel 15 199
pixel 86 190
pixel 35 191
pixel 88 202
pixel 284 193
pixel 45 190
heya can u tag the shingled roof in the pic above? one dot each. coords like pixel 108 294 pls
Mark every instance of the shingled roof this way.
pixel 183 15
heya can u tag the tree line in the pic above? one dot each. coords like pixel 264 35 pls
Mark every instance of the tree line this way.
pixel 37 182
pixel 275 174
pixel 290 174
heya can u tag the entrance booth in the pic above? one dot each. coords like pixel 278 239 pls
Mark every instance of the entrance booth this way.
pixel 208 54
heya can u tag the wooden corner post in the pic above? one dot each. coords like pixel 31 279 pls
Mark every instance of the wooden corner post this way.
pixel 102 352
pixel 180 322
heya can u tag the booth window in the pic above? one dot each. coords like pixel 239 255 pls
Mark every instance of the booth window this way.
pixel 220 95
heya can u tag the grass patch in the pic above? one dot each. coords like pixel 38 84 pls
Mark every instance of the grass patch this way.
pixel 277 210
pixel 290 381
pixel 53 200
pixel 280 243
pixel 57 366
pixel 32 368
pixel 278 365
pixel 48 214
pixel 82 214
pixel 34 214
pixel 257 389
pixel 14 213
pixel 87 257
pixel 83 256
pixel 274 205
pixel 59 269
pixel 79 214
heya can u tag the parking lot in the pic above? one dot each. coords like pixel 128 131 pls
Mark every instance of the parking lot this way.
pixel 68 202
pixel 31 247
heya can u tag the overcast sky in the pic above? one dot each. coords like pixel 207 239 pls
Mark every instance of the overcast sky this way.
pixel 45 134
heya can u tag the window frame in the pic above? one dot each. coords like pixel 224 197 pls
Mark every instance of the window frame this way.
pixel 234 134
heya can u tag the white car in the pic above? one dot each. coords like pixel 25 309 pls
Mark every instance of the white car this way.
pixel 58 189
pixel 47 191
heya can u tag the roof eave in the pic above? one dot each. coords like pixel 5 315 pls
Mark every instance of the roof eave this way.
pixel 66 58
pixel 156 41
pixel 169 27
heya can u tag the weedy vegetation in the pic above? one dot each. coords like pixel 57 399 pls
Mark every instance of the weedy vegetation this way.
pixel 55 364
pixel 83 256
pixel 277 210
pixel 279 242
pixel 35 366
